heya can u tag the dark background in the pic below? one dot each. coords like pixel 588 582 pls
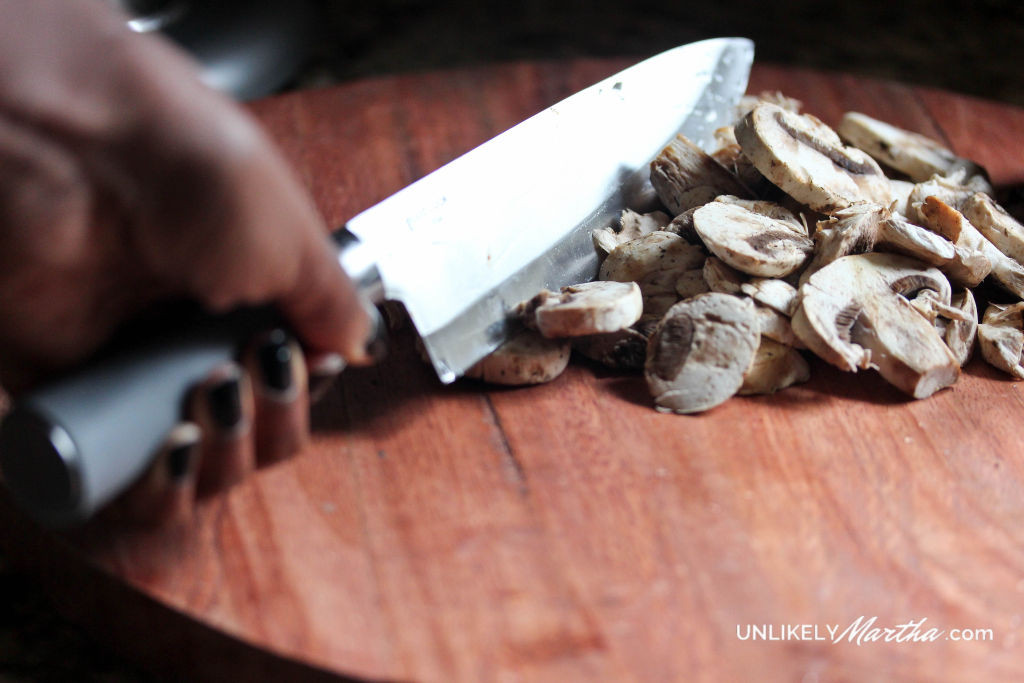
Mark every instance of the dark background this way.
pixel 977 49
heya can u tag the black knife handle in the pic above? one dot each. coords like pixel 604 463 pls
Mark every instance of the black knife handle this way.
pixel 71 446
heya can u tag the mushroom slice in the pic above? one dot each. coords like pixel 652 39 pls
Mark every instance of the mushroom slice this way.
pixel 777 327
pixel 949 190
pixel 853 230
pixel 773 293
pixel 660 250
pixel 766 208
pixel 752 242
pixel 685 176
pixel 526 358
pixel 854 314
pixel 1001 338
pixel 699 352
pixel 588 308
pixel 808 161
pixel 950 223
pixel 958 252
pixel 998 227
pixel 775 366
pixel 632 225
pixel 721 277
pixel 916 155
pixel 960 332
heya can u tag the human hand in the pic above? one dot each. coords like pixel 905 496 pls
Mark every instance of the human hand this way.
pixel 124 182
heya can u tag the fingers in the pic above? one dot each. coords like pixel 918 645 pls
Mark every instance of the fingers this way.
pixel 242 416
pixel 281 396
pixel 166 492
pixel 223 408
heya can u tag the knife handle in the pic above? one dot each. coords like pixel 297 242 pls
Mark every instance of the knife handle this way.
pixel 73 445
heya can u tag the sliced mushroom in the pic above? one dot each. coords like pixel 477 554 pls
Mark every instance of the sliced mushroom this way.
pixel 660 250
pixel 955 252
pixel 632 225
pixel 588 308
pixel 808 161
pixel 950 223
pixel 773 293
pixel 766 208
pixel 998 227
pixel 1001 338
pixel 777 327
pixel 699 352
pixel 960 332
pixel 854 314
pixel 526 358
pixel 685 176
pixel 721 277
pixel 752 242
pixel 950 191
pixel 853 230
pixel 916 155
pixel 775 366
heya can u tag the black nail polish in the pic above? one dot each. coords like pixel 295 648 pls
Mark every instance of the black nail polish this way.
pixel 226 403
pixel 179 461
pixel 275 361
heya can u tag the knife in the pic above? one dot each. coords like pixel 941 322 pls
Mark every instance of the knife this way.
pixel 459 248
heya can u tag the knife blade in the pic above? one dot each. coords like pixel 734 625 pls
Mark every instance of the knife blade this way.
pixel 463 245
pixel 459 248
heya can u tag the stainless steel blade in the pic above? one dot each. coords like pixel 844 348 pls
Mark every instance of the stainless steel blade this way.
pixel 465 244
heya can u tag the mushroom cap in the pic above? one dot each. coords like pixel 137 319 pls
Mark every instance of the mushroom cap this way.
pixel 854 313
pixel 752 242
pixel 699 352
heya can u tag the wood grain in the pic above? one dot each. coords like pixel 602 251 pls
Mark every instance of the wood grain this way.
pixel 568 531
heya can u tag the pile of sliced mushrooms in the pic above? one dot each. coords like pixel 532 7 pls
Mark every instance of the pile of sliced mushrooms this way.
pixel 727 289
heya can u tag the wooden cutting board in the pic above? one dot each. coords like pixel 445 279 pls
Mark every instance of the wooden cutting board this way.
pixel 568 531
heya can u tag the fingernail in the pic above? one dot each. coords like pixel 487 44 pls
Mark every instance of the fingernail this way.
pixel 225 399
pixel 179 462
pixel 275 361
pixel 322 374
pixel 180 459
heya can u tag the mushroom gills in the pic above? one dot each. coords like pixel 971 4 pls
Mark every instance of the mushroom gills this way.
pixel 854 314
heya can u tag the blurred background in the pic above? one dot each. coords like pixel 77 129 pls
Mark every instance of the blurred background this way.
pixel 260 47
pixel 257 47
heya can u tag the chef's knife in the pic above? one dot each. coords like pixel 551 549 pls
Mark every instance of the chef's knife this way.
pixel 460 248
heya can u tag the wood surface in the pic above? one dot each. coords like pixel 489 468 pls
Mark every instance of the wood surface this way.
pixel 568 531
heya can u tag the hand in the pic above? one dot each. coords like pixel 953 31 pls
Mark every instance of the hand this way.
pixel 125 182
